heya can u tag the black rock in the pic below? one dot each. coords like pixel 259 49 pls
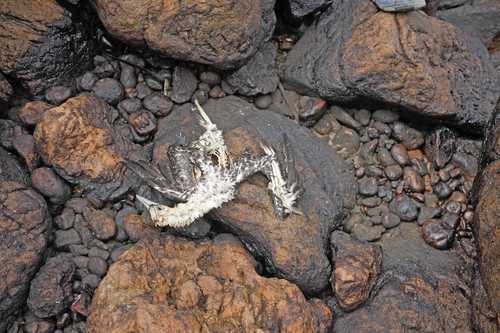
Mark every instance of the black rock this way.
pixel 184 84
pixel 110 90
pixel 409 137
pixel 87 81
pixel 210 78
pixel 427 213
pixel 390 220
pixel 66 237
pixel 385 116
pixel 400 154
pixel 404 207
pixel 259 75
pixel 442 190
pixel 127 76
pixel 435 234
pixel 263 101
pixel 158 103
pixel 143 90
pixel 57 94
pixel 393 172
pixel 97 266
pixel 130 105
pixel 51 289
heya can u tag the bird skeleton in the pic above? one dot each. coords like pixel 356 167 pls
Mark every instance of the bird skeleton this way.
pixel 203 177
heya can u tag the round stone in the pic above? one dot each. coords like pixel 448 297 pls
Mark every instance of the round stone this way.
pixel 367 186
pixel 393 172
pixel 110 90
pixel 97 266
pixel 87 81
pixel 400 154
pixel 442 190
pixel 404 207
pixel 57 94
pixel 158 103
pixel 263 101
pixel 390 220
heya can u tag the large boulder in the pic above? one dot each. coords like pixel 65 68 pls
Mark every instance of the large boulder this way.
pixel 479 18
pixel 42 44
pixel 222 33
pixel 169 284
pixel 24 230
pixel 328 184
pixel 86 129
pixel 421 289
pixel 486 196
pixel 412 61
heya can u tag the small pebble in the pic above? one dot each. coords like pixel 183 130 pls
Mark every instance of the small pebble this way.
pixel 436 235
pixel 263 101
pixel 390 220
pixel 57 94
pixel 363 116
pixel 413 180
pixel 404 207
pixel 210 78
pixel 427 213
pixel 110 90
pixel 385 116
pixel 442 190
pixel 158 104
pixel 367 233
pixel 143 123
pixel 393 172
pixel 91 280
pixel 97 266
pixel 87 81
pixel 130 105
pixel 400 154
pixel 367 186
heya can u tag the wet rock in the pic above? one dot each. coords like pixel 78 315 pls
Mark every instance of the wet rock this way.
pixel 31 113
pixel 11 169
pixel 440 146
pixel 250 215
pixel 404 207
pixel 57 94
pixel 367 233
pixel 24 230
pixel 51 289
pixel 419 288
pixel 136 228
pixel 101 224
pixel 184 84
pixel 436 234
pixel 43 44
pixel 159 104
pixel 368 186
pixel 84 128
pixel 357 266
pixel 259 75
pixel 351 55
pixel 144 123
pixel 223 34
pixel 390 220
pixel 110 90
pixel 50 185
pixel 413 180
pixel 215 280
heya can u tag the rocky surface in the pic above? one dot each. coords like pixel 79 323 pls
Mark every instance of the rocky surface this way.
pixel 224 33
pixel 42 43
pixel 5 89
pixel 11 169
pixel 24 229
pixel 413 61
pixel 326 197
pixel 171 284
pixel 300 8
pixel 421 290
pixel 84 128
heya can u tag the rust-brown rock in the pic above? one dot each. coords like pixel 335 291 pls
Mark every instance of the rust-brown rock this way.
pixel 169 284
pixel 327 181
pixel 24 229
pixel 410 60
pixel 83 128
pixel 357 267
pixel 222 33
pixel 41 44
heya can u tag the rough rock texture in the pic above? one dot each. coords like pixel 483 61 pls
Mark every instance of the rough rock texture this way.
pixel 24 227
pixel 42 45
pixel 50 291
pixel 223 33
pixel 84 128
pixel 412 60
pixel 259 75
pixel 11 169
pixel 5 90
pixel 327 180
pixel 421 289
pixel 357 266
pixel 169 284
pixel 479 18
pixel 487 215
pixel 300 8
